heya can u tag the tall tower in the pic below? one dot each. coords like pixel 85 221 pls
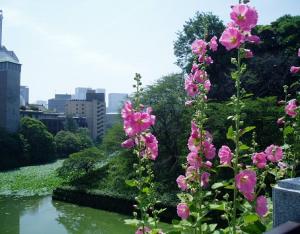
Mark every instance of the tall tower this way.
pixel 10 71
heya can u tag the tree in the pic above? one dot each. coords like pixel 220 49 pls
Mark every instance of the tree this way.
pixel 41 142
pixel 70 124
pixel 84 138
pixel 67 143
pixel 113 138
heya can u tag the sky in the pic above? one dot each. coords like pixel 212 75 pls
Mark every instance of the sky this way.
pixel 63 44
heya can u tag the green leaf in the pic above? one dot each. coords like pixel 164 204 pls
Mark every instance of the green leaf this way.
pixel 217 206
pixel 132 222
pixel 230 133
pixel 244 147
pixel 251 218
pixel 131 183
pixel 146 190
pixel 212 227
pixel 257 227
pixel 288 130
pixel 247 129
pixel 218 185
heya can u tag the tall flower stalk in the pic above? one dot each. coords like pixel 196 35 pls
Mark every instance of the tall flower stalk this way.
pixel 137 123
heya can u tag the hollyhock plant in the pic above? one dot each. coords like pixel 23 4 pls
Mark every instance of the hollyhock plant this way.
pixel 294 69
pixel 231 38
pixel 261 206
pixel 129 143
pixel 209 150
pixel 244 16
pixel 194 160
pixel 291 108
pixel 246 181
pixel 181 182
pixel 299 52
pixel 199 47
pixel 213 44
pixel 225 155
pixel 274 153
pixel 183 210
pixel 260 160
pixel 205 179
pixel 142 230
pixel 248 53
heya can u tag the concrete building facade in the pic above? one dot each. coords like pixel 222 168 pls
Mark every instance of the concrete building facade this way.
pixel 93 108
pixel 24 95
pixel 10 71
pixel 58 103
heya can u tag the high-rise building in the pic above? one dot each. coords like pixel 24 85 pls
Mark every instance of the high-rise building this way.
pixel 58 103
pixel 93 108
pixel 24 95
pixel 100 91
pixel 80 93
pixel 42 102
pixel 115 101
pixel 10 71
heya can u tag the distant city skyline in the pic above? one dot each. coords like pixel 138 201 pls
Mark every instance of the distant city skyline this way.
pixel 66 44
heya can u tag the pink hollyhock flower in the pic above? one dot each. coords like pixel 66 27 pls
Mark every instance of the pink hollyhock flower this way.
pixel 261 206
pixel 208 164
pixel 299 52
pixel 244 16
pixel 280 121
pixel 127 111
pixel 141 231
pixel 209 150
pixel 231 38
pixel 294 69
pixel 260 160
pixel 207 85
pixel 129 143
pixel 183 210
pixel 225 155
pixel 194 67
pixel 274 153
pixel 151 144
pixel 181 182
pixel 249 196
pixel 291 108
pixel 199 47
pixel 213 44
pixel 204 179
pixel 245 181
pixel 208 60
pixel 194 160
pixel 248 53
pixel 253 39
pixel 200 76
pixel 190 87
pixel 191 173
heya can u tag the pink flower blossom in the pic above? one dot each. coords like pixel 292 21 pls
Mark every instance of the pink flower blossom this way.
pixel 231 38
pixel 191 173
pixel 190 87
pixel 189 103
pixel 129 143
pixel 199 47
pixel 204 179
pixel 261 207
pixel 280 121
pixel 194 160
pixel 294 69
pixel 183 210
pixel 141 231
pixel 209 150
pixel 200 76
pixel 253 39
pixel 213 44
pixel 260 160
pixel 245 181
pixel 208 164
pixel 244 16
pixel 208 60
pixel 249 196
pixel 248 53
pixel 194 67
pixel 282 165
pixel 225 155
pixel 299 52
pixel 291 107
pixel 181 182
pixel 274 153
pixel 151 146
pixel 207 85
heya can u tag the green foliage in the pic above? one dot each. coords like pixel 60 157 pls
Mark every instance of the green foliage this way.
pixel 66 143
pixel 80 164
pixel 70 124
pixel 113 138
pixel 41 142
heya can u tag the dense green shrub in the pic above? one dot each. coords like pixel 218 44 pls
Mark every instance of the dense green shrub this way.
pixel 41 142
pixel 80 164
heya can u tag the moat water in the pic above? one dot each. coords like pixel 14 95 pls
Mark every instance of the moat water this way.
pixel 41 215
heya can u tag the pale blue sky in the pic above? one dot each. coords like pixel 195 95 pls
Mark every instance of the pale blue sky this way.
pixel 64 44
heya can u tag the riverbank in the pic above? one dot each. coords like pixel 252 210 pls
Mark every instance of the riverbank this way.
pixel 31 180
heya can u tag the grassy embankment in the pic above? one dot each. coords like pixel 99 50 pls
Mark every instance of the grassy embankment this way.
pixel 30 180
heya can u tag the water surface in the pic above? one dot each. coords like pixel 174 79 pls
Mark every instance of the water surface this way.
pixel 41 215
